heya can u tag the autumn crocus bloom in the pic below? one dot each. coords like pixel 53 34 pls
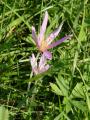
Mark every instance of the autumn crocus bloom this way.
pixel 40 67
pixel 43 43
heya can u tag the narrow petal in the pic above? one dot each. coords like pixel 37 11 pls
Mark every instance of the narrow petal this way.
pixel 42 61
pixel 33 61
pixel 48 55
pixel 59 41
pixel 43 27
pixel 54 34
pixel 34 36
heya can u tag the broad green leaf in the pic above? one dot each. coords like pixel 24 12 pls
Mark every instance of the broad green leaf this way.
pixel 80 105
pixel 78 91
pixel 56 89
pixel 62 85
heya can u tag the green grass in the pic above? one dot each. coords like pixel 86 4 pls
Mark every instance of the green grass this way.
pixel 61 93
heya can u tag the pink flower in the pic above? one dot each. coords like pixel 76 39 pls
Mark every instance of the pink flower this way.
pixel 43 44
pixel 40 67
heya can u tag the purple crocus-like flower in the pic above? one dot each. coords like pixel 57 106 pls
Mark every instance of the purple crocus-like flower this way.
pixel 43 43
pixel 40 67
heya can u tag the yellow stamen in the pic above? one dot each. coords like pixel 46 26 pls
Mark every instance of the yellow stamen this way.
pixel 43 46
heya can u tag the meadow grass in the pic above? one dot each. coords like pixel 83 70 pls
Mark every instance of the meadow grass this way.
pixel 61 93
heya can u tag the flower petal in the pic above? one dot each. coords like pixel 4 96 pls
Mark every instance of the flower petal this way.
pixel 59 41
pixel 34 36
pixel 45 68
pixel 43 27
pixel 42 61
pixel 33 61
pixel 47 54
pixel 54 34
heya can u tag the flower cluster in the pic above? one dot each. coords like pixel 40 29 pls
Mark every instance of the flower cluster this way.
pixel 44 44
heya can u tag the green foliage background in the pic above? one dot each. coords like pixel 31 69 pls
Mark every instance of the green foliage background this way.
pixel 61 93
